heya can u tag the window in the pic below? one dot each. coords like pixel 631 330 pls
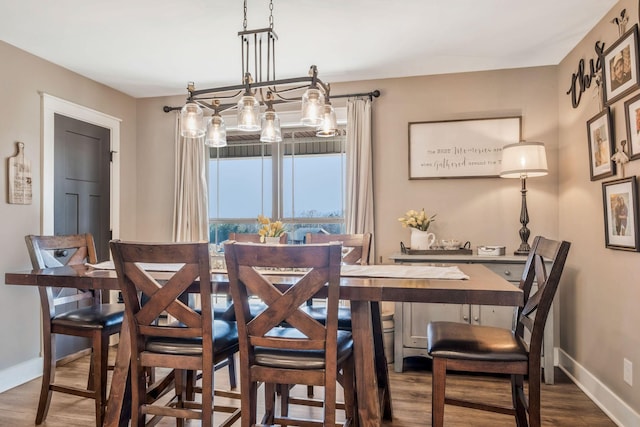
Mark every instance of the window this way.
pixel 300 181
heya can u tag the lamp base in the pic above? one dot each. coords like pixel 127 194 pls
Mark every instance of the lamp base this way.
pixel 521 252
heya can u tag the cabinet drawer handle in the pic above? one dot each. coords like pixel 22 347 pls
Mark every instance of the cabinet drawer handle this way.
pixel 507 273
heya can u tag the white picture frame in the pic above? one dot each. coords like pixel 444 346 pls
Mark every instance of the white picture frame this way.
pixel 460 148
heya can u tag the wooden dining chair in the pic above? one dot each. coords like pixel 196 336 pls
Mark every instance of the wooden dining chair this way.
pixel 89 318
pixel 488 350
pixel 194 342
pixel 356 249
pixel 306 351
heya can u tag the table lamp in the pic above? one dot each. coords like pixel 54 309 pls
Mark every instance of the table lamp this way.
pixel 523 160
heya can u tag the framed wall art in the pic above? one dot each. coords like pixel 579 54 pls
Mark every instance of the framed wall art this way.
pixel 460 148
pixel 632 119
pixel 620 67
pixel 601 147
pixel 620 200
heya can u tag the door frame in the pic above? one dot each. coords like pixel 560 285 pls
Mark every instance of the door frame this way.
pixel 50 106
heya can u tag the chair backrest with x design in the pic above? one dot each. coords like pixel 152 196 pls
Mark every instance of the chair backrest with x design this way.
pixel 533 315
pixel 323 266
pixel 357 246
pixel 148 299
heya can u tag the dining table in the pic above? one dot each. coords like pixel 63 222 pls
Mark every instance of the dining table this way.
pixel 365 288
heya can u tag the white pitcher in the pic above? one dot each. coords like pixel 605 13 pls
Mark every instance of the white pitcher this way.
pixel 421 240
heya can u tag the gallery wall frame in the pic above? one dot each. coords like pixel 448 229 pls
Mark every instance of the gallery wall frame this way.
pixel 620 68
pixel 466 148
pixel 601 145
pixel 632 120
pixel 620 203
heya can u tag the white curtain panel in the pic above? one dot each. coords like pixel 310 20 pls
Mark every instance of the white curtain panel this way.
pixel 359 204
pixel 190 214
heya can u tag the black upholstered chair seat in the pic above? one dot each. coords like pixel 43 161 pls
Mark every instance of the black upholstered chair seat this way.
pixel 93 317
pixel 225 340
pixel 474 342
pixel 227 312
pixel 300 359
pixel 319 313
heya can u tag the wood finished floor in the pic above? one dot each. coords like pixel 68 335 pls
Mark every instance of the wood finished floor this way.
pixel 563 403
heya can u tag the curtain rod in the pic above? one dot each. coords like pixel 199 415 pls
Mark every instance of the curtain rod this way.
pixel 370 95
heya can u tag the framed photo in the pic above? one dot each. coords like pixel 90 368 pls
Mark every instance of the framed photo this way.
pixel 460 148
pixel 620 67
pixel 601 145
pixel 620 199
pixel 632 118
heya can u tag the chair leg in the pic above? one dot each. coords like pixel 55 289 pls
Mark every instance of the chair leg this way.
pixel 517 395
pixel 348 386
pixel 231 365
pixel 270 403
pixel 207 398
pixel 439 378
pixel 534 398
pixel 285 391
pixel 248 401
pixel 100 349
pixel 48 376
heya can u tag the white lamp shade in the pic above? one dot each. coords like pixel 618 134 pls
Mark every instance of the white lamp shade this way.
pixel 191 121
pixel 270 124
pixel 216 135
pixel 312 106
pixel 248 113
pixel 329 124
pixel 523 160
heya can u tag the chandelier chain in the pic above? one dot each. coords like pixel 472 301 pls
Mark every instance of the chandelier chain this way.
pixel 244 22
pixel 271 14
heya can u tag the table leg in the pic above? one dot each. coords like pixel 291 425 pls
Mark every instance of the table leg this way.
pixel 118 413
pixel 382 368
pixel 366 378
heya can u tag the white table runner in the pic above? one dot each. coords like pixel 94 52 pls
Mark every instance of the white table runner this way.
pixel 390 270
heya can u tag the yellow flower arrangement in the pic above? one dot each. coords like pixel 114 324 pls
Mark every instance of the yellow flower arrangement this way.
pixel 268 228
pixel 418 220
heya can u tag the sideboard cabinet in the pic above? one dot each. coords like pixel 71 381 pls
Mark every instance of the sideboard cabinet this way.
pixel 411 319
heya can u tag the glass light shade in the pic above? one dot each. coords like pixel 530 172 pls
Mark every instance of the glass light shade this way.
pixel 191 121
pixel 270 124
pixel 216 135
pixel 312 105
pixel 248 113
pixel 523 160
pixel 329 124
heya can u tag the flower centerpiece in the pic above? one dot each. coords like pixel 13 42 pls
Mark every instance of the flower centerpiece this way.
pixel 269 229
pixel 419 222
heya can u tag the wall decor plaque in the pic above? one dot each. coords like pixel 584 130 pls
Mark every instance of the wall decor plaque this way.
pixel 19 171
pixel 460 148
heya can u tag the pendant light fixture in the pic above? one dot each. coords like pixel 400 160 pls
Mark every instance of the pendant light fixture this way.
pixel 258 54
pixel 191 121
pixel 270 123
pixel 216 135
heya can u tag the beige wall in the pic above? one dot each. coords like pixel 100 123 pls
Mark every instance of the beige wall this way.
pixel 22 77
pixel 600 297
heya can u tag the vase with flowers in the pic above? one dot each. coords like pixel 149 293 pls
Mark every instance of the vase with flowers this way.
pixel 419 222
pixel 270 232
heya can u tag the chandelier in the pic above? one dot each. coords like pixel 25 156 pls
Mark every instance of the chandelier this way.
pixel 259 90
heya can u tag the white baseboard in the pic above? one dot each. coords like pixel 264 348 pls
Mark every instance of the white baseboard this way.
pixel 616 409
pixel 20 374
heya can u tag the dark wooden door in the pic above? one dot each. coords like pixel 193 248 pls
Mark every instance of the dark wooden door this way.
pixel 81 194
pixel 81 173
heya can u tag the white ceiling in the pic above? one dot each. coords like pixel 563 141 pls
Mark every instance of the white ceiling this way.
pixel 153 47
